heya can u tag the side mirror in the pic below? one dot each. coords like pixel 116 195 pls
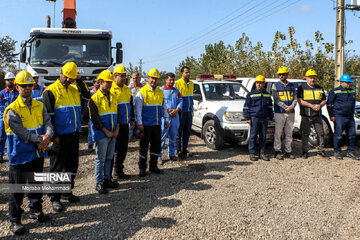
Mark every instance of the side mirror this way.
pixel 197 97
pixel 23 51
pixel 119 53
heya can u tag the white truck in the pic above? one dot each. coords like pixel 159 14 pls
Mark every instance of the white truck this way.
pixel 218 111
pixel 51 48
pixel 249 84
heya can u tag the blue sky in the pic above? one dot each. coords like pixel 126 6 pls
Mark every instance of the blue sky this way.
pixel 162 32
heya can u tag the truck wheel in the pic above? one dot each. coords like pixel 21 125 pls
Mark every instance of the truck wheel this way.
pixel 313 137
pixel 213 135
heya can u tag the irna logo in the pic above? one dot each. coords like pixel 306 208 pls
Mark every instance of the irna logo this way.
pixel 52 177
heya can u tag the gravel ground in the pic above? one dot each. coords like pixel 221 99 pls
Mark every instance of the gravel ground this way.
pixel 213 195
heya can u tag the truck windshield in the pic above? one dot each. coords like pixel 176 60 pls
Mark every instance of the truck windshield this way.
pixel 224 91
pixel 56 52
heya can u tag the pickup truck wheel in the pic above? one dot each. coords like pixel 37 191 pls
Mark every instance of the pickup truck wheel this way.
pixel 213 136
pixel 313 137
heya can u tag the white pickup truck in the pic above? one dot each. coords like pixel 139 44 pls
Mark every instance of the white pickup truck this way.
pixel 218 111
pixel 249 84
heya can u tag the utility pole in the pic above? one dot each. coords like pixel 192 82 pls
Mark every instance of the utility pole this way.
pixel 339 41
pixel 339 38
pixel 54 9
pixel 140 63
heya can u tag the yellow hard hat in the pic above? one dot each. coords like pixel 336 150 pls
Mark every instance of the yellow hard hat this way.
pixel 260 78
pixel 106 75
pixel 24 77
pixel 310 72
pixel 154 73
pixel 283 70
pixel 70 70
pixel 120 69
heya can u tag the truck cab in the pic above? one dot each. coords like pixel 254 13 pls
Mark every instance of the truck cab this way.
pixel 51 48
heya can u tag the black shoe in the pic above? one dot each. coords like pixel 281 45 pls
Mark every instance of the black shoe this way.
pixel 263 156
pixel 142 173
pixel 182 156
pixel 189 154
pixel 108 183
pixel 121 175
pixel 57 206
pixel 278 155
pixel 253 157
pixel 101 189
pixel 1 159
pixel 352 156
pixel 17 228
pixel 155 170
pixel 305 155
pixel 322 153
pixel 70 197
pixel 289 155
pixel 338 156
pixel 41 217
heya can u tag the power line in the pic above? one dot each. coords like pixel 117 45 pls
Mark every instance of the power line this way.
pixel 199 35
pixel 234 29
pixel 218 33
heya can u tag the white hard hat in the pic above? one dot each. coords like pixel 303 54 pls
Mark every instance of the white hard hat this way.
pixel 34 74
pixel 9 75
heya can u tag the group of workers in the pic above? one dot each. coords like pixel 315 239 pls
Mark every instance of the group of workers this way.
pixel 260 111
pixel 36 120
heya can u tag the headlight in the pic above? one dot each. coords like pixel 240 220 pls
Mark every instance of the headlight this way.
pixel 234 116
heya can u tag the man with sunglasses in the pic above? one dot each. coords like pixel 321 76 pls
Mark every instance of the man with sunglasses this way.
pixel 285 100
pixel 63 103
pixel 29 131
pixel 7 96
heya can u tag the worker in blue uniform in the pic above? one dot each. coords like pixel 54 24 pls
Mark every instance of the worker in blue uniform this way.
pixel 173 101
pixel 7 96
pixel 258 113
pixel 37 90
pixel 341 108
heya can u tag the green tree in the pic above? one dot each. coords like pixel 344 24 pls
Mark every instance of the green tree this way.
pixel 7 49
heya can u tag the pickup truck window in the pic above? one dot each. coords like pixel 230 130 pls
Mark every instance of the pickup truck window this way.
pixel 223 91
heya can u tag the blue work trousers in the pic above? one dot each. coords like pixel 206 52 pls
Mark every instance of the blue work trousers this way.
pixel 104 154
pixel 184 131
pixel 90 140
pixel 347 124
pixel 258 126
pixel 170 132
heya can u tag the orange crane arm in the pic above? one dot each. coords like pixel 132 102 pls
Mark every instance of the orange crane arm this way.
pixel 69 13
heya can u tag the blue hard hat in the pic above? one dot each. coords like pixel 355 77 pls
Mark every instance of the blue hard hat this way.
pixel 345 78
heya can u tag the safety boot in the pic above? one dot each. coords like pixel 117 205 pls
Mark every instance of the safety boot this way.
pixel 338 156
pixel 17 228
pixel 263 156
pixel 352 156
pixel 253 157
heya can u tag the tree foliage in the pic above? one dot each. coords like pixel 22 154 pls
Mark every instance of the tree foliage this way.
pixel 246 59
pixel 7 49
